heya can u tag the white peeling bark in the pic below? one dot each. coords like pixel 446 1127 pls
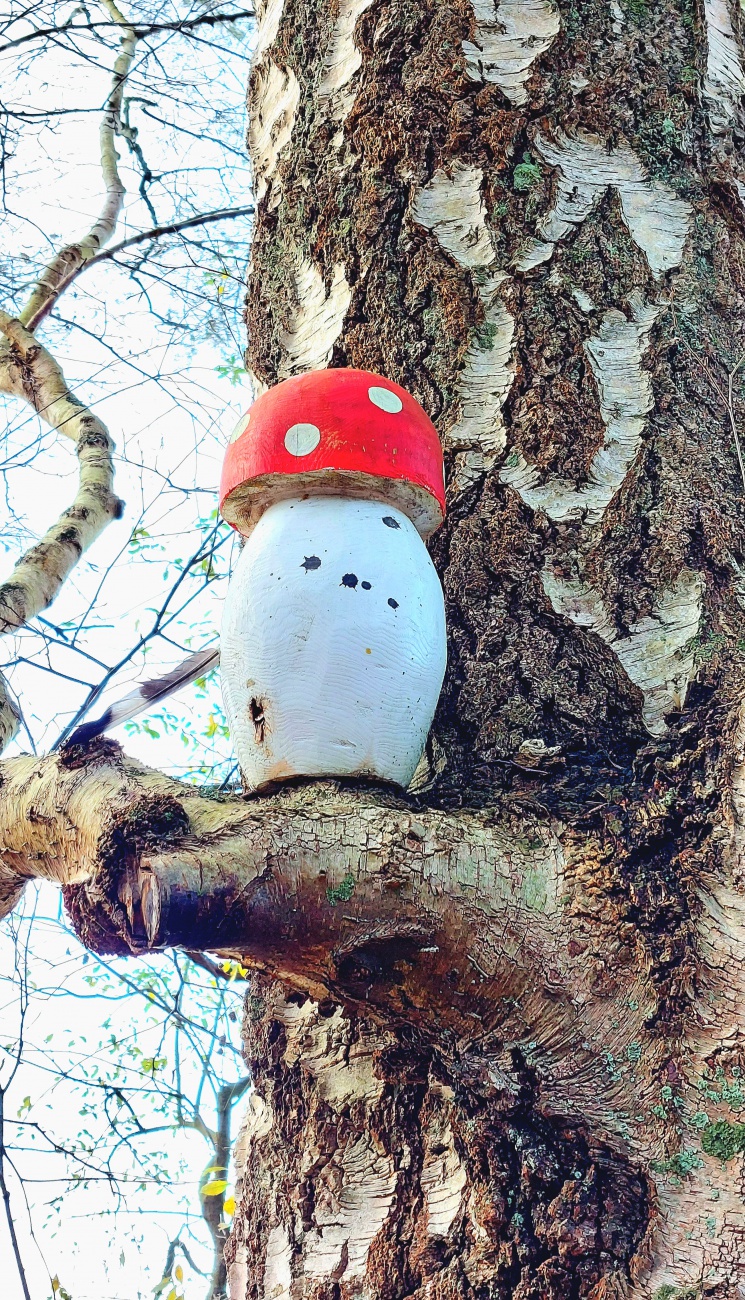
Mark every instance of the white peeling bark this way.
pixel 626 398
pixel 354 1186
pixel 342 60
pixel 724 82
pixel 278 1264
pixel 274 103
pixel 268 17
pixel 352 1204
pixel 653 652
pixel 271 126
pixel 657 220
pixel 657 653
pixel 452 207
pixel 443 1176
pixel 509 38
pixel 700 1229
pixel 317 319
pixel 342 1074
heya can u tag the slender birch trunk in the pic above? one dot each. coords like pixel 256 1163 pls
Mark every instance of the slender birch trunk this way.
pixel 534 218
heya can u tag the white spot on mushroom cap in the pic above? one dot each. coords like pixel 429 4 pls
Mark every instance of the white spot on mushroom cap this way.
pixel 240 428
pixel 302 439
pixel 385 399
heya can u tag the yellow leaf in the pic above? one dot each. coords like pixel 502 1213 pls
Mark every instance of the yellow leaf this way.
pixel 215 1187
pixel 229 1206
pixel 55 1284
pixel 179 1273
pixel 171 1294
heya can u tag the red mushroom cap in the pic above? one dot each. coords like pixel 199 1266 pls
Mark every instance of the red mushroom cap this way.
pixel 334 433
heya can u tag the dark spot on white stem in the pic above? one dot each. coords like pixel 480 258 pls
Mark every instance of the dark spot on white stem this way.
pixel 256 709
pixel 349 580
pixel 393 603
pixel 310 562
pixel 390 522
pixel 366 586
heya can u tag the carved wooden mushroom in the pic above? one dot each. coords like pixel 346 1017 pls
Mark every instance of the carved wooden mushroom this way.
pixel 333 642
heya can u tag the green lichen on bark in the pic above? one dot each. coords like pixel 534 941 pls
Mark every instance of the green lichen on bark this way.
pixel 723 1139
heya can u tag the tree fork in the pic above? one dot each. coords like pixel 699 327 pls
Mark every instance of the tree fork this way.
pixel 448 922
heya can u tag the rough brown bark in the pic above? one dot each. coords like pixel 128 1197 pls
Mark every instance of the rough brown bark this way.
pixel 419 1172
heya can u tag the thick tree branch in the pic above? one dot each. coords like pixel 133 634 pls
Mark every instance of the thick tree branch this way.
pixel 470 930
pixel 28 371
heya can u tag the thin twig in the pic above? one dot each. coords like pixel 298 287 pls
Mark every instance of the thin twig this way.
pixel 207 20
pixel 5 1193
pixel 156 232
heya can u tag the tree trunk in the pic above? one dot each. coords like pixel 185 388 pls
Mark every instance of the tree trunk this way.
pixel 534 219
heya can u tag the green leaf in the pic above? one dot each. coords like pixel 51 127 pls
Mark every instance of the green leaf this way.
pixel 152 1063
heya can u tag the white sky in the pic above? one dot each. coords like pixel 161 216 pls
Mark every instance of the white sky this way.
pixel 102 1241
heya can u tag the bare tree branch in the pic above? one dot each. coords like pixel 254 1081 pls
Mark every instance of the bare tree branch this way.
pixel 213 1206
pixel 47 289
pixel 207 20
pixel 157 232
pixel 5 1194
pixel 29 371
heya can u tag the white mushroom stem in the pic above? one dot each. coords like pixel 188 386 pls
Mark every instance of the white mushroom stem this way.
pixel 333 643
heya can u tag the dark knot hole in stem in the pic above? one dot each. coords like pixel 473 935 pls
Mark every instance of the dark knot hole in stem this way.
pixel 258 719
